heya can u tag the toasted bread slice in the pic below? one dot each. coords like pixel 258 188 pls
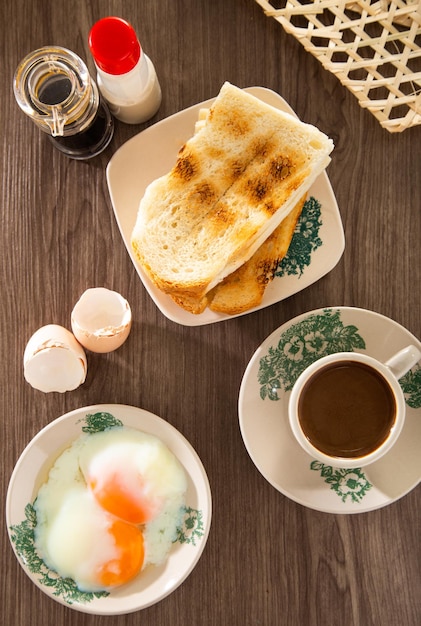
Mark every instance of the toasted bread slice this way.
pixel 192 304
pixel 233 183
pixel 244 289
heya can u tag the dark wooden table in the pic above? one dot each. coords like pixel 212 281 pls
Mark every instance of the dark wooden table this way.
pixel 268 561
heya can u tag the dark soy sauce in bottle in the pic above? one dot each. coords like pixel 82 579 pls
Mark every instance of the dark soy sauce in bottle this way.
pixel 52 86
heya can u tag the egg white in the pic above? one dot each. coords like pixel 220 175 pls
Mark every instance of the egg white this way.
pixel 140 454
pixel 71 531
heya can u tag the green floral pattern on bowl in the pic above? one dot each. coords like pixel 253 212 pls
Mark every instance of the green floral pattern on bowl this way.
pixel 22 534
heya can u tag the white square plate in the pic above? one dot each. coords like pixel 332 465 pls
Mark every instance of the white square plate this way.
pixel 153 152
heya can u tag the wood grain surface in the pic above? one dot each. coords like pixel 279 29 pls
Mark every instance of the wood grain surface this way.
pixel 268 560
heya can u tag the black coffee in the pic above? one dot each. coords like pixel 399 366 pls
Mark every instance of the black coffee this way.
pixel 346 409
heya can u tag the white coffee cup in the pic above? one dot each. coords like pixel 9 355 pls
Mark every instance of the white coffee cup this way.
pixel 338 406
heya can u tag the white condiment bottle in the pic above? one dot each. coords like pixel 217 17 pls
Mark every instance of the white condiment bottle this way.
pixel 126 77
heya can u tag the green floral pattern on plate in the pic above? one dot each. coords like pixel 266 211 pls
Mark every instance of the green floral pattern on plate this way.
pixel 23 538
pixel 304 241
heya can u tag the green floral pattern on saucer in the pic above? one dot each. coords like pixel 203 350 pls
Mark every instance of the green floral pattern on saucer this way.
pixel 300 345
pixel 23 538
pixel 348 484
pixel 411 385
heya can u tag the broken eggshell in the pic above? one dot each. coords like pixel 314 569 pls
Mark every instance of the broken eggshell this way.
pixel 101 320
pixel 53 360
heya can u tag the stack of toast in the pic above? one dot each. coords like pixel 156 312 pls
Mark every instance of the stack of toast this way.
pixel 212 231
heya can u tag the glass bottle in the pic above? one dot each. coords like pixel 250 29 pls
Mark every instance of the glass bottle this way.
pixel 53 87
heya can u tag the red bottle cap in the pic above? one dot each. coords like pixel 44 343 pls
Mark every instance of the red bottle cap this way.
pixel 114 45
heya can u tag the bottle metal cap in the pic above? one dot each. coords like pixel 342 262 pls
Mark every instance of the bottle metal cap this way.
pixel 114 45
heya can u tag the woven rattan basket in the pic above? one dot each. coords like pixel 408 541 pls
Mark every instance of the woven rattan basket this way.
pixel 372 47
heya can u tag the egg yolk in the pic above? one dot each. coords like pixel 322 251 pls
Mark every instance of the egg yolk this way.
pixel 130 545
pixel 115 498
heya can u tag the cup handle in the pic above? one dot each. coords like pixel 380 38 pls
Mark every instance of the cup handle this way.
pixel 403 360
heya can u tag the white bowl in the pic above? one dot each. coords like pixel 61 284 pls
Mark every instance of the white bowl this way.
pixel 31 470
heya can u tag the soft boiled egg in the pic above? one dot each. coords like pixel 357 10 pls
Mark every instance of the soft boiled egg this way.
pixel 111 506
pixel 84 543
pixel 131 474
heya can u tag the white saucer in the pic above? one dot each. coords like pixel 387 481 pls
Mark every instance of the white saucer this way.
pixel 153 152
pixel 264 424
pixel 155 582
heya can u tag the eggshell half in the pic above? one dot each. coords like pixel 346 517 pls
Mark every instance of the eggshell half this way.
pixel 101 320
pixel 53 360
